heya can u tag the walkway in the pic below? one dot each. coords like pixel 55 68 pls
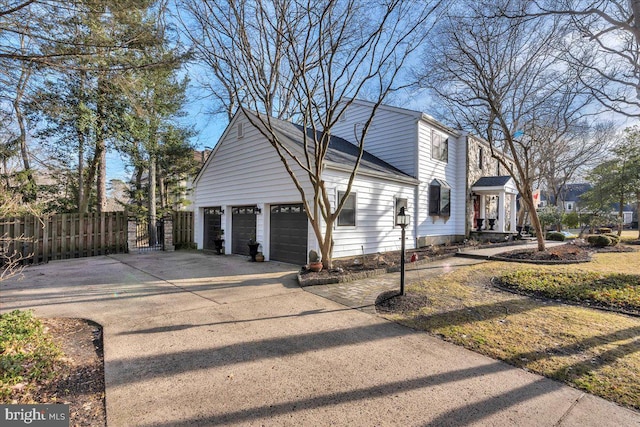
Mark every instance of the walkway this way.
pixel 362 294
pixel 197 340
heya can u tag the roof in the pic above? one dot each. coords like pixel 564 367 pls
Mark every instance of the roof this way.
pixel 492 181
pixel 340 152
pixel 572 192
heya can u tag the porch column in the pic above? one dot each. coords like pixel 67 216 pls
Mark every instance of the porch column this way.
pixel 514 213
pixel 483 210
pixel 501 210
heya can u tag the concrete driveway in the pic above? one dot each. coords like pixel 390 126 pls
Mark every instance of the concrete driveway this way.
pixel 194 339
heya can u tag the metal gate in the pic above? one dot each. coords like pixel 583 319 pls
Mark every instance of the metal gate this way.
pixel 149 235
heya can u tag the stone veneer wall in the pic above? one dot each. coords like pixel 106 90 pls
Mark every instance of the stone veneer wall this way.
pixel 474 173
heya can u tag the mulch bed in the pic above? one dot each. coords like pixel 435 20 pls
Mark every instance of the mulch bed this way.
pixel 80 382
pixel 361 267
pixel 565 254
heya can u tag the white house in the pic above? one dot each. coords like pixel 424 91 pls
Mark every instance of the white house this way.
pixel 411 160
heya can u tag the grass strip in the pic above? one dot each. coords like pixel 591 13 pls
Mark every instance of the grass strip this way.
pixel 28 355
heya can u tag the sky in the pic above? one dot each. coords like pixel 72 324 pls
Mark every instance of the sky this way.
pixel 208 130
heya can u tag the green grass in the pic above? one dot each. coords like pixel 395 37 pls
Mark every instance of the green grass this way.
pixel 594 350
pixel 27 354
pixel 614 291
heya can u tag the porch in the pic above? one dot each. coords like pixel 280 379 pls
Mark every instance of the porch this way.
pixel 494 206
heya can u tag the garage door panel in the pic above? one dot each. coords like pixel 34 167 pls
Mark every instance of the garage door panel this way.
pixel 243 228
pixel 289 229
pixel 212 226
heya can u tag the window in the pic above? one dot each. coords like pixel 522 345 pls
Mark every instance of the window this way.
pixel 400 203
pixel 480 158
pixel 347 215
pixel 240 130
pixel 439 147
pixel 439 198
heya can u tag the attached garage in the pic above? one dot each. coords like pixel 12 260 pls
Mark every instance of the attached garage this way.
pixel 212 226
pixel 289 234
pixel 243 228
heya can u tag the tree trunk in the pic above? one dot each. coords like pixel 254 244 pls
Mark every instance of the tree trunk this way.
pixel 621 216
pixel 101 149
pixel 638 211
pixel 80 170
pixel 162 192
pixel 153 236
pixel 138 194
pixel 29 193
pixel 527 198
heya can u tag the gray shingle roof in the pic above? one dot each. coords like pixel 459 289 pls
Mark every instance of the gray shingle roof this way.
pixel 340 150
pixel 492 181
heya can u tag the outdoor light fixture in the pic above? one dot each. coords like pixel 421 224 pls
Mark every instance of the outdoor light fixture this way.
pixel 258 210
pixel 402 219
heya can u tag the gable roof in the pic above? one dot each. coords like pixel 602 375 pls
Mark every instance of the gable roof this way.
pixel 341 154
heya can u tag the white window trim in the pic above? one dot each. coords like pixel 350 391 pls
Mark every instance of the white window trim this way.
pixel 444 139
pixel 355 219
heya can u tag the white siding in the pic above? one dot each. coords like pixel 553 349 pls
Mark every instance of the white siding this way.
pixel 243 171
pixel 450 171
pixel 391 136
pixel 375 229
pixel 247 171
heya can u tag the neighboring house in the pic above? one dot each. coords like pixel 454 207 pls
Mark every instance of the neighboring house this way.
pixel 411 160
pixel 570 198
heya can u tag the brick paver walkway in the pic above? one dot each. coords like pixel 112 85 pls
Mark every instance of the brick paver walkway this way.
pixel 362 294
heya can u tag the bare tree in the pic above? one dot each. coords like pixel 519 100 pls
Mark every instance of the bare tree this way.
pixel 606 41
pixel 506 81
pixel 565 156
pixel 306 61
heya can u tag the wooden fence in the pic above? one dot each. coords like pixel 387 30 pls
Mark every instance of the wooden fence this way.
pixel 183 229
pixel 65 236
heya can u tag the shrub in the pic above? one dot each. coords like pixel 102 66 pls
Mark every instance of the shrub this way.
pixel 604 230
pixel 571 220
pixel 614 237
pixel 599 240
pixel 556 236
pixel 27 353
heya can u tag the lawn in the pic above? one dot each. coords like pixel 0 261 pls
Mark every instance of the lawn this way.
pixel 594 350
pixel 28 356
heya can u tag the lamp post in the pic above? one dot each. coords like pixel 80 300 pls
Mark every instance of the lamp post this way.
pixel 402 219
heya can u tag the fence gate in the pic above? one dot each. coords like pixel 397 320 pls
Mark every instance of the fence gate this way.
pixel 149 235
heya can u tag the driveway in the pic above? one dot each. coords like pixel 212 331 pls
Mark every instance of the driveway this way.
pixel 194 339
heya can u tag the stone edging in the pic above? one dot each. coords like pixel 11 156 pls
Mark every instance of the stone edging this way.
pixel 350 277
